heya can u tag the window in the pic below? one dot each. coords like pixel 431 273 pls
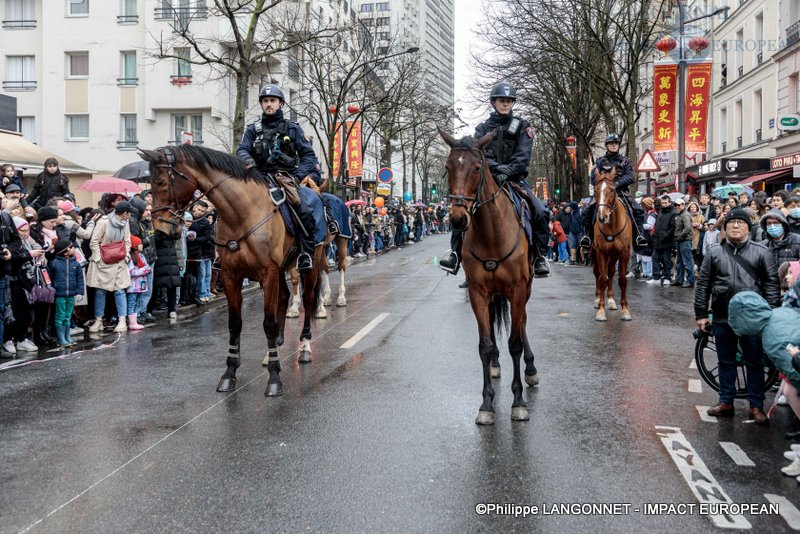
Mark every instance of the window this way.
pixel 27 127
pixel 182 66
pixel 19 73
pixel 128 12
pixel 127 71
pixel 77 8
pixel 723 128
pixel 794 87
pixel 127 131
pixel 20 14
pixel 77 127
pixel 366 8
pixel 382 21
pixel 77 64
pixel 382 6
pixel 188 123
pixel 292 112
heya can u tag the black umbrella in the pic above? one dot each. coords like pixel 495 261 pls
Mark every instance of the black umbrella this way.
pixel 138 171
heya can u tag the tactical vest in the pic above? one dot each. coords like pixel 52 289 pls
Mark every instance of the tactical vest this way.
pixel 273 149
pixel 504 142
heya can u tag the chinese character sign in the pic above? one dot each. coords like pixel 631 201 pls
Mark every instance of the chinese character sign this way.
pixel 664 124
pixel 698 80
pixel 336 153
pixel 354 162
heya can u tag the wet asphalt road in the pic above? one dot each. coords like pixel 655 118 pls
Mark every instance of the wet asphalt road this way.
pixel 380 436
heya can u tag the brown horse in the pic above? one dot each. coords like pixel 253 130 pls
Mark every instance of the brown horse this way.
pixel 498 264
pixel 325 289
pixel 611 245
pixel 252 242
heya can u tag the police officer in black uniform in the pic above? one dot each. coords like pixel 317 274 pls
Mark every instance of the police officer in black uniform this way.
pixel 622 179
pixel 508 156
pixel 275 144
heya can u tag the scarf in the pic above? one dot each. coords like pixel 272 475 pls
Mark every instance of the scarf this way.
pixel 137 259
pixel 116 228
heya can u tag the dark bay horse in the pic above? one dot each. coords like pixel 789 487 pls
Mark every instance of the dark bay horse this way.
pixel 611 245
pixel 251 239
pixel 498 265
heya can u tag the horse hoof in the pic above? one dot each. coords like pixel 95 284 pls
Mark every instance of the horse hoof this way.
pixel 484 418
pixel 600 317
pixel 626 316
pixel 341 303
pixel 532 380
pixel 596 303
pixel 292 313
pixel 326 301
pixel 519 413
pixel 305 356
pixel 494 372
pixel 226 385
pixel 274 389
pixel 611 304
pixel 322 314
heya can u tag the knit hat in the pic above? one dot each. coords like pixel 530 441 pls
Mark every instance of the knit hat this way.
pixel 62 246
pixel 19 222
pixel 738 213
pixel 46 214
pixel 187 216
pixel 135 241
pixel 66 206
pixel 123 207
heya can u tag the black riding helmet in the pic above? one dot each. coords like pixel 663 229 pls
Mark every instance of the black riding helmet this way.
pixel 612 138
pixel 503 89
pixel 271 90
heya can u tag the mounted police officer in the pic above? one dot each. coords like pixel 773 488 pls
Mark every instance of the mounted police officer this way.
pixel 623 179
pixel 508 156
pixel 275 144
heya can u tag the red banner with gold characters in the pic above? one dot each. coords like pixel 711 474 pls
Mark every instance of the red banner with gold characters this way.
pixel 572 150
pixel 698 82
pixel 664 123
pixel 336 153
pixel 354 161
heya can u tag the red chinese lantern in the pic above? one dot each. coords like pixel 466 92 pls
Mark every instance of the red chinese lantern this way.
pixel 571 140
pixel 333 109
pixel 698 43
pixel 383 211
pixel 379 202
pixel 353 108
pixel 666 44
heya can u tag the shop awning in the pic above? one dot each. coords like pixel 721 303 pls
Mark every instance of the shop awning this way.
pixel 21 153
pixel 765 176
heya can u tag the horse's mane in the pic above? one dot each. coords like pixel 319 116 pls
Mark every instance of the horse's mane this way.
pixel 207 158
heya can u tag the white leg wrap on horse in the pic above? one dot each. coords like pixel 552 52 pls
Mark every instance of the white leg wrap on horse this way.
pixel 342 300
pixel 326 289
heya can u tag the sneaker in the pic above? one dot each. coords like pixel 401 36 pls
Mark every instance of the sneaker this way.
pixel 75 331
pixel 687 284
pixel 9 347
pixel 782 401
pixel 790 455
pixel 665 282
pixel 654 281
pixel 793 469
pixel 28 346
pixel 173 315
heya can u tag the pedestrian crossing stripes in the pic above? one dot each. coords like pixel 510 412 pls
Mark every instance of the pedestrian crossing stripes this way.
pixel 787 510
pixel 703 411
pixel 695 386
pixel 736 453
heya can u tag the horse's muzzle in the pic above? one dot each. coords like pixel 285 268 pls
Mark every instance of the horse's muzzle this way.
pixel 460 221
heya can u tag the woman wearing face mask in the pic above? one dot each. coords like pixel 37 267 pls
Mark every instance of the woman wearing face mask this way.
pixel 778 238
pixel 793 205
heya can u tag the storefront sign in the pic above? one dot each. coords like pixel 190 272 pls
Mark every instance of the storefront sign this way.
pixel 789 122
pixel 784 161
pixel 698 81
pixel 664 125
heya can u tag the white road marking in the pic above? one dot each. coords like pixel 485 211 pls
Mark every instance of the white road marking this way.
pixel 695 386
pixel 704 416
pixel 693 365
pixel 364 331
pixel 697 475
pixel 787 510
pixel 736 453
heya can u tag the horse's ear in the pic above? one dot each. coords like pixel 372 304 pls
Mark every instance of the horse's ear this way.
pixel 149 155
pixel 484 141
pixel 447 137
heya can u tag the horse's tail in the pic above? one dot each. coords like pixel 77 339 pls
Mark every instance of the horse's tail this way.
pixel 500 312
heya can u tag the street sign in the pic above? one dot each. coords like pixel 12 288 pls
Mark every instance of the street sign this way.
pixel 789 122
pixel 385 175
pixel 385 189
pixel 647 163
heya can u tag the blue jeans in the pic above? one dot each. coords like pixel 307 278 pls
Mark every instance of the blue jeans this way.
pixel 204 279
pixel 135 303
pixel 145 299
pixel 727 346
pixel 120 299
pixel 684 263
pixel 563 254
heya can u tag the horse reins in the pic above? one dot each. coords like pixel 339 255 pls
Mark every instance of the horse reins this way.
pixel 489 264
pixel 618 201
pixel 177 213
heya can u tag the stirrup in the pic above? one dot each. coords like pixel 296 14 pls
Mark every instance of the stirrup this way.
pixel 333 227
pixel 304 262
pixel 277 195
pixel 447 268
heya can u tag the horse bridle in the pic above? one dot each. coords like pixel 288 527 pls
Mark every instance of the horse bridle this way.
pixel 617 202
pixel 177 213
pixel 489 264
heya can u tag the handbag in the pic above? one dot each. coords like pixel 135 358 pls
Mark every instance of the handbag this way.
pixel 113 252
pixel 42 290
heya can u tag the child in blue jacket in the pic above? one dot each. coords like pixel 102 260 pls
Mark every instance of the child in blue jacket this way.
pixel 67 278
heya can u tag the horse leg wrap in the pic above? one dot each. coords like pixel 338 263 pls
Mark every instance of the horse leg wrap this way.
pixel 233 349
pixel 305 334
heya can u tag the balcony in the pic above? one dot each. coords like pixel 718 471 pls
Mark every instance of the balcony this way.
pixel 127 81
pixel 724 147
pixel 18 24
pixel 759 58
pixel 740 71
pixel 127 19
pixel 793 34
pixel 180 17
pixel 758 135
pixel 127 144
pixel 739 142
pixel 179 80
pixel 19 85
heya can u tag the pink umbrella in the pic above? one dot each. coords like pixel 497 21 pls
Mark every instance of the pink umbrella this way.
pixel 109 184
pixel 355 202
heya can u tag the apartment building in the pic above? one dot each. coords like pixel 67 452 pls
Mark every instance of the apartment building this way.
pixel 785 163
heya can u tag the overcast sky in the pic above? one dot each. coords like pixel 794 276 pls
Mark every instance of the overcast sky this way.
pixel 468 16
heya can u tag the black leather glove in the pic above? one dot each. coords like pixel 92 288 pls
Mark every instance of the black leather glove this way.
pixel 501 178
pixel 503 169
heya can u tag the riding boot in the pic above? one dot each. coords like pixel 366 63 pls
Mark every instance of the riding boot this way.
pixel 540 224
pixel 451 260
pixel 306 237
pixel 636 215
pixel 587 218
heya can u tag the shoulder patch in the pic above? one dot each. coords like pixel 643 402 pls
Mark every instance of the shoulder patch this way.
pixel 529 131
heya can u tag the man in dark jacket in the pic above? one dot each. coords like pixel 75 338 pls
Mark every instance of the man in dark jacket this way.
pixel 737 264
pixel 664 242
pixel 200 236
pixel 793 205
pixel 11 250
pixel 683 240
pixel 779 238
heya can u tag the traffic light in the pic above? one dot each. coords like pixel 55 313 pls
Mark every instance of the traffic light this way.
pixel 558 191
pixel 433 189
